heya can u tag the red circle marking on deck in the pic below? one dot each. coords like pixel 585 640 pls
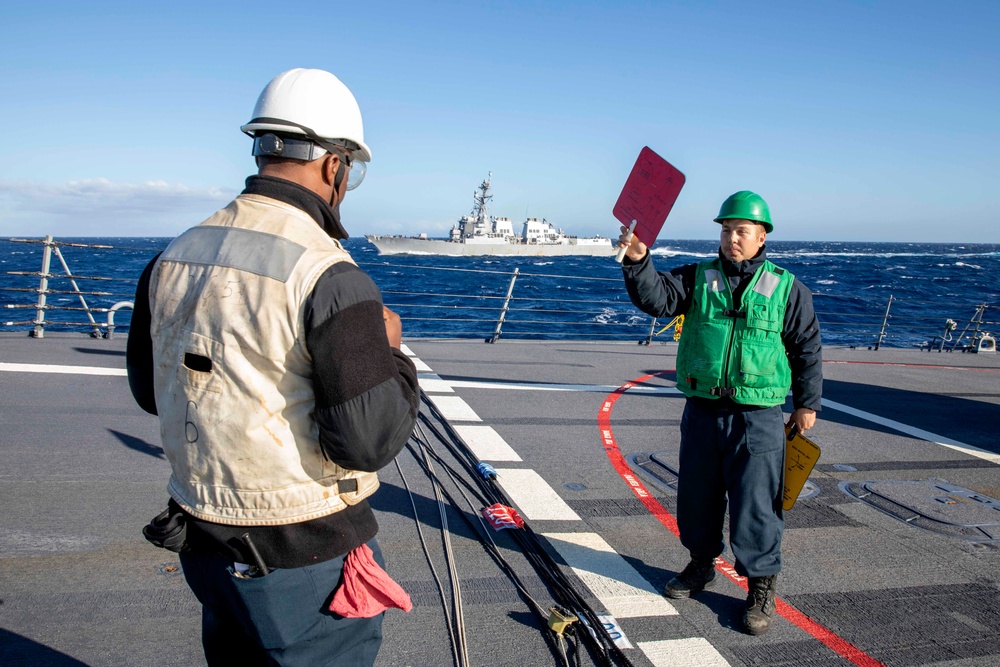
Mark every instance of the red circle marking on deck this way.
pixel 835 642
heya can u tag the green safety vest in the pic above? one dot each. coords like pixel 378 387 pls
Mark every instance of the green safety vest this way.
pixel 736 352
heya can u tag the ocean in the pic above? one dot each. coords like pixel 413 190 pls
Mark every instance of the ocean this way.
pixel 569 297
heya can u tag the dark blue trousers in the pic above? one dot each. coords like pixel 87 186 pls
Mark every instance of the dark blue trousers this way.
pixel 278 619
pixel 735 453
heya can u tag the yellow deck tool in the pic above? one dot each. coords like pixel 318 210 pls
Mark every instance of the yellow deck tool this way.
pixel 801 455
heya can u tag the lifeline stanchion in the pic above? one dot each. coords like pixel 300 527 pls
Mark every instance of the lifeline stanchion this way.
pixel 506 305
pixel 885 322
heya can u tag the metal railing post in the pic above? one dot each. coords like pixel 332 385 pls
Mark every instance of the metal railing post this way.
pixel 503 311
pixel 649 336
pixel 885 322
pixel 43 290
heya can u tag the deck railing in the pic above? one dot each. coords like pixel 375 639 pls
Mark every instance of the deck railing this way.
pixel 504 304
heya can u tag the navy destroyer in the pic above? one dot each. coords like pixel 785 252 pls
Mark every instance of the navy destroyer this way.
pixel 479 233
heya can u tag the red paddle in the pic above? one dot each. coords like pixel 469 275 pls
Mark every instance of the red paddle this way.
pixel 649 194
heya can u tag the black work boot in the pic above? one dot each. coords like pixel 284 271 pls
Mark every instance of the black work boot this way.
pixel 697 576
pixel 760 604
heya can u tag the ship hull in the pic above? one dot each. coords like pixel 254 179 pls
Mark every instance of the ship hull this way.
pixel 401 245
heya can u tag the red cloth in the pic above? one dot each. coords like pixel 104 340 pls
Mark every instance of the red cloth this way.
pixel 366 590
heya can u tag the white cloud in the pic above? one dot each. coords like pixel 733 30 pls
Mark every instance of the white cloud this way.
pixel 99 207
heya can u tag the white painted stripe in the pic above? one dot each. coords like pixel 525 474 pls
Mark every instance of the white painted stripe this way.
pixel 542 386
pixel 72 370
pixel 620 588
pixel 405 350
pixel 690 652
pixel 420 365
pixel 486 443
pixel 533 496
pixel 433 383
pixel 916 432
pixel 454 408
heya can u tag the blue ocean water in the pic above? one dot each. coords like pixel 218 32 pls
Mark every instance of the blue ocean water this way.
pixel 572 297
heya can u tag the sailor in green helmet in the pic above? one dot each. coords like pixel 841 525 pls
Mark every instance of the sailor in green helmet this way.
pixel 750 336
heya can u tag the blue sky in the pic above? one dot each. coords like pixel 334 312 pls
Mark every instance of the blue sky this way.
pixel 855 120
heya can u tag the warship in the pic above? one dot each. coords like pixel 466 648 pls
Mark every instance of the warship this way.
pixel 479 233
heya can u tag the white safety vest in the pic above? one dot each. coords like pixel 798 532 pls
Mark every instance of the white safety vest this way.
pixel 233 376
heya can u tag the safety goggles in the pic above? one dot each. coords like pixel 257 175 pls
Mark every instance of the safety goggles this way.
pixel 311 149
pixel 356 169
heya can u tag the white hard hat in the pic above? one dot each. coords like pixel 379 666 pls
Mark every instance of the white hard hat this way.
pixel 313 103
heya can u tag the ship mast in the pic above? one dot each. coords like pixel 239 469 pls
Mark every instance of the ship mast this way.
pixel 481 201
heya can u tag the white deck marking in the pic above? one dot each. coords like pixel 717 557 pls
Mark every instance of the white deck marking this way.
pixel 454 408
pixel 545 386
pixel 533 496
pixel 486 443
pixel 690 652
pixel 420 365
pixel 72 370
pixel 916 432
pixel 433 383
pixel 619 587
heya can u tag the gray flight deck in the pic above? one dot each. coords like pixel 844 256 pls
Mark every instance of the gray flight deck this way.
pixel 894 560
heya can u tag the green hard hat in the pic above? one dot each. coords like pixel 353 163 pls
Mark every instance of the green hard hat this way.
pixel 746 205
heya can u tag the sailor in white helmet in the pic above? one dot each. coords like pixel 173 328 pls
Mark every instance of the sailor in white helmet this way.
pixel 281 389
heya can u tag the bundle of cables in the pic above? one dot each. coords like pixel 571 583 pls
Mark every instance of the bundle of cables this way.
pixel 478 479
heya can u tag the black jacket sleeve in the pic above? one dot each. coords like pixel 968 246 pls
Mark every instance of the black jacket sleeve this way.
pixel 139 348
pixel 366 392
pixel 804 347
pixel 659 294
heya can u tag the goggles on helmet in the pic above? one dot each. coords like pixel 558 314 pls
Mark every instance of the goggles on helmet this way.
pixel 272 145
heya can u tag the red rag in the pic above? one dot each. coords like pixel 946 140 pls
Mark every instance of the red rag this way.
pixel 366 590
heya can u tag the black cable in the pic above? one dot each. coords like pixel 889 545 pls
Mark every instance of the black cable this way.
pixel 595 636
pixel 491 548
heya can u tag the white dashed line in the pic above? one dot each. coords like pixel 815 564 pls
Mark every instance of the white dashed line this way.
pixel 434 384
pixel 690 652
pixel 486 443
pixel 421 366
pixel 454 408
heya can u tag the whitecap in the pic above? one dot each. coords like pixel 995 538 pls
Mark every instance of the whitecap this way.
pixel 606 316
pixel 669 252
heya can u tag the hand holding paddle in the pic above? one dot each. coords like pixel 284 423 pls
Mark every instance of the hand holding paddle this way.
pixel 624 241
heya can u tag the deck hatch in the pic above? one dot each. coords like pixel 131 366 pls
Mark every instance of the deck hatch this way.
pixel 654 465
pixel 933 504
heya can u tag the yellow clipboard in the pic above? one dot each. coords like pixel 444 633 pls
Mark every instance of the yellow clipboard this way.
pixel 801 455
